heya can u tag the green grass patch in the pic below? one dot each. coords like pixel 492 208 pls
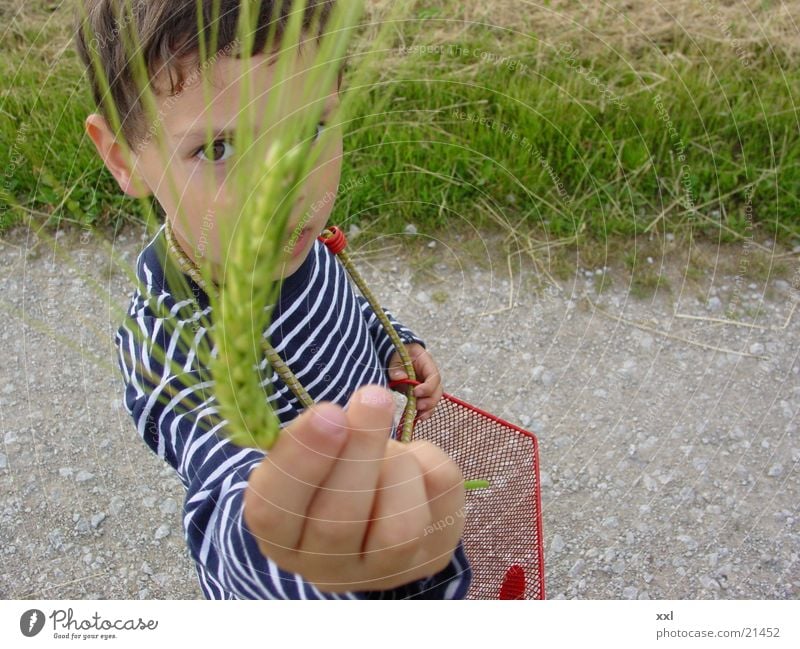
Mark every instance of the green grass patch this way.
pixel 612 147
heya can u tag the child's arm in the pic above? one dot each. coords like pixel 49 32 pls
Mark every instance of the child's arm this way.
pixel 383 344
pixel 429 393
pixel 216 473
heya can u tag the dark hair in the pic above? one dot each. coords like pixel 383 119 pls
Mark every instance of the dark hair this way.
pixel 167 35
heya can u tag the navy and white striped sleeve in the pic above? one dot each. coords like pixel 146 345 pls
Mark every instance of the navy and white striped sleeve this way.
pixel 383 344
pixel 172 405
pixel 173 408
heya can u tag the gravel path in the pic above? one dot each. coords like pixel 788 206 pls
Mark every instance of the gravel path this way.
pixel 669 469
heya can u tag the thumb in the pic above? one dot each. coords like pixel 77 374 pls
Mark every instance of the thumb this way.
pixel 396 371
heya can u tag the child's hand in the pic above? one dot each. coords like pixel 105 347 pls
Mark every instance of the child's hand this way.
pixel 429 391
pixel 340 503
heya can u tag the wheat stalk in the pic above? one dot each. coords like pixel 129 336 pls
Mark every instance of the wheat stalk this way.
pixel 265 179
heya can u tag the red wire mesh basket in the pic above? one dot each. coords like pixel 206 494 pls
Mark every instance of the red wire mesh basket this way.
pixel 503 526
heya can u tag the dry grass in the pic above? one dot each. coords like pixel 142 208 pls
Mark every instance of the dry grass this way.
pixel 593 25
pixel 630 26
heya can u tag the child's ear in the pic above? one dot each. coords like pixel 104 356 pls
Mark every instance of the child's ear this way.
pixel 116 156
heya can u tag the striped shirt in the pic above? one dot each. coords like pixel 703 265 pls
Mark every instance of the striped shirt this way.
pixel 332 341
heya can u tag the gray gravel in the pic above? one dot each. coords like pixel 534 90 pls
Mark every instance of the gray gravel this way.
pixel 669 469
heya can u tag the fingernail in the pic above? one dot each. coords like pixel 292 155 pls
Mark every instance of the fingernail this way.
pixel 327 421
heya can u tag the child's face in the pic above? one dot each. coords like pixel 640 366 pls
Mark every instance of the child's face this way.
pixel 187 172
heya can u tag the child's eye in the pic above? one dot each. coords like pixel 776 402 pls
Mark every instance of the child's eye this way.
pixel 217 151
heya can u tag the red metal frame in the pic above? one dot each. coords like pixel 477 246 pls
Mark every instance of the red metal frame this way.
pixel 538 492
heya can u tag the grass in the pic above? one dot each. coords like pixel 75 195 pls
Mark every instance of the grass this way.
pixel 561 156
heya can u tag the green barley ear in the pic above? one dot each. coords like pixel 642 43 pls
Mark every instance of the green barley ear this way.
pixel 267 178
pixel 269 168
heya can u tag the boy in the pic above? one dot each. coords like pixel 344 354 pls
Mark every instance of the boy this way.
pixel 335 509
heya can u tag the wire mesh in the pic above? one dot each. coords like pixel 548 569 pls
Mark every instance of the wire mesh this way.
pixel 503 526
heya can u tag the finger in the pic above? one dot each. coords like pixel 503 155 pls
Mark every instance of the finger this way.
pixel 426 403
pixel 429 398
pixel 396 371
pixel 419 355
pixel 425 409
pixel 425 389
pixel 339 513
pixel 281 488
pixel 399 517
pixel 444 486
pixel 430 381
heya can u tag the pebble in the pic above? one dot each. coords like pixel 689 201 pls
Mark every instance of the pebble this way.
pixel 775 471
pixel 56 539
pixel 161 579
pixel 11 437
pixel 536 372
pixel 116 505
pixel 84 476
pixel 97 519
pixel 630 592
pixel 3 460
pixel 162 532
pixel 577 568
pixel 757 348
pixel 628 367
pixel 410 228
pixel 169 506
pixel 557 544
pixel 548 378
pixel 469 349
pixel 714 304
pixel 65 472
